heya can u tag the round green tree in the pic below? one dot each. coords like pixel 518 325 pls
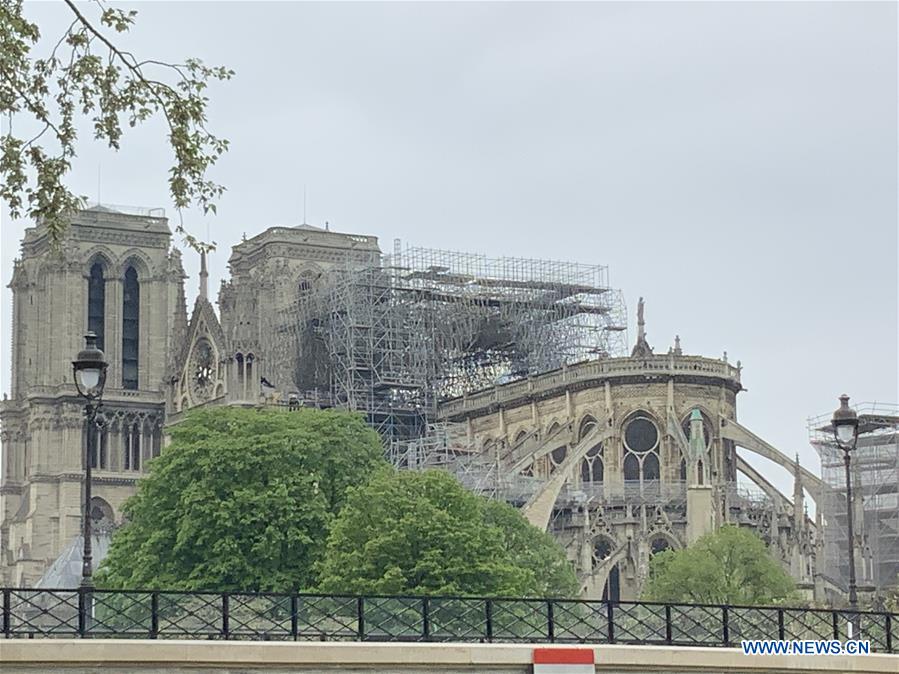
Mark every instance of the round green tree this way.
pixel 241 499
pixel 728 566
pixel 424 533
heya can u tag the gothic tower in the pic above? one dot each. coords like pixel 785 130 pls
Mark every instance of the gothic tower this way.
pixel 271 274
pixel 117 275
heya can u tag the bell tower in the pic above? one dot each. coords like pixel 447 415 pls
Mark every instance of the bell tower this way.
pixel 115 274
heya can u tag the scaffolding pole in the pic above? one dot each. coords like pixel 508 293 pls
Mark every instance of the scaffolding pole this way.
pixel 875 486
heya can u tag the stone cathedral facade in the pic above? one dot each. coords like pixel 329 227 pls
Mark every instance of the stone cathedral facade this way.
pixel 631 455
pixel 119 276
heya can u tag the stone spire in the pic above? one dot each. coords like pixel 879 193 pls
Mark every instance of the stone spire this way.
pixel 204 276
pixel 179 308
pixel 697 450
pixel 677 348
pixel 641 348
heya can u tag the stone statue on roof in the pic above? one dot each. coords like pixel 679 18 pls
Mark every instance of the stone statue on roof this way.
pixel 641 348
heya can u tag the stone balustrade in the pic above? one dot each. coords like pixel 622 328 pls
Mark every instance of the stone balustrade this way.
pixel 668 365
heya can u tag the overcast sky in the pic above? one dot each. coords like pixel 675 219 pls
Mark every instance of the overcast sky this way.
pixel 735 164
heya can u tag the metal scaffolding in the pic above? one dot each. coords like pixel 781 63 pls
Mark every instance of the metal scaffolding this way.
pixel 392 341
pixel 445 446
pixel 875 486
pixel 494 320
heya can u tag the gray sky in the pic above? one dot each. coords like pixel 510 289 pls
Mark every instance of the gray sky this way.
pixel 735 164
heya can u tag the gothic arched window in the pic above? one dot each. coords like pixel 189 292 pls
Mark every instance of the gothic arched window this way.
pixel 157 443
pixel 602 550
pixel 659 544
pixel 249 376
pixel 641 450
pixel 631 468
pixel 651 467
pixel 306 283
pixel 557 456
pixel 586 425
pixel 96 303
pixel 102 514
pixel 130 329
pixel 592 466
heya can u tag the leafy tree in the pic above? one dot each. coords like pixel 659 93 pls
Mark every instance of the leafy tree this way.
pixel 87 74
pixel 530 548
pixel 423 533
pixel 729 566
pixel 241 500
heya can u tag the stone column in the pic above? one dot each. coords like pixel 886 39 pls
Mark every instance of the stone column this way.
pixel 699 512
pixel 613 473
pixel 242 374
pixel 124 457
pixel 113 444
pixel 146 442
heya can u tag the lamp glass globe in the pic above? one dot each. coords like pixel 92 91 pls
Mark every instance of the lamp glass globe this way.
pixel 845 433
pixel 89 379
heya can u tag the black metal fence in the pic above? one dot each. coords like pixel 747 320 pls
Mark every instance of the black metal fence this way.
pixel 93 613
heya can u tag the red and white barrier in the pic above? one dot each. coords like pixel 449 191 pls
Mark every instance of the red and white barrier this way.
pixel 564 661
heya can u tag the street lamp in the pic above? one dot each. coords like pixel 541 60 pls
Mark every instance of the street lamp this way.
pixel 845 432
pixel 89 370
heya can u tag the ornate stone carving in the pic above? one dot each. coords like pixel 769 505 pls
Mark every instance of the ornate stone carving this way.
pixel 124 237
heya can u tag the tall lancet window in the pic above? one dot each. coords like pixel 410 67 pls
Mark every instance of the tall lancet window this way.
pixel 130 329
pixel 96 303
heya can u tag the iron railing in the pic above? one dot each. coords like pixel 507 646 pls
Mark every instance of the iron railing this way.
pixel 160 614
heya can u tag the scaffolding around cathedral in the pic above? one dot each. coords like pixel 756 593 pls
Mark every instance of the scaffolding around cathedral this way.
pixel 875 476
pixel 392 341
pixel 445 446
pixel 499 319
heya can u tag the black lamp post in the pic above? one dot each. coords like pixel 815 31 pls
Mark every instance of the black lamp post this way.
pixel 845 431
pixel 89 370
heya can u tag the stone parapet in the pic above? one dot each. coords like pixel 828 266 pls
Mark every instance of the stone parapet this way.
pixel 71 656
pixel 593 373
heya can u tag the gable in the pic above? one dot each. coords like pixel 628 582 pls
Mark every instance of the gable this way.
pixel 202 362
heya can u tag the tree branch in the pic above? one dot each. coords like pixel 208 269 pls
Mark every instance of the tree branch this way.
pixel 132 67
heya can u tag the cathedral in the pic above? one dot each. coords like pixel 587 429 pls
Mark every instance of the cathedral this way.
pixel 517 377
